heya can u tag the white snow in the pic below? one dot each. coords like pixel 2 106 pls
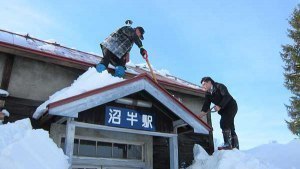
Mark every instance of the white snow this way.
pixel 50 40
pixel 270 156
pixel 5 112
pixel 285 156
pixel 90 80
pixel 47 47
pixel 3 92
pixel 21 147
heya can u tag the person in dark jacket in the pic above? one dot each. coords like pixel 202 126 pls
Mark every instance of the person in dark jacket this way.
pixel 226 106
pixel 117 46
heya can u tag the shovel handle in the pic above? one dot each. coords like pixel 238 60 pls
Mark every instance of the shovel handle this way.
pixel 151 70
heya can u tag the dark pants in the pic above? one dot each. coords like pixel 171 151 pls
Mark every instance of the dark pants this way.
pixel 227 117
pixel 109 57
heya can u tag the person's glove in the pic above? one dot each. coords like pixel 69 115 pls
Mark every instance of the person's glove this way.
pixel 144 53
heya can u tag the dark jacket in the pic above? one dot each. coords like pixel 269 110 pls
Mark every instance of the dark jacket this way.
pixel 220 97
pixel 120 42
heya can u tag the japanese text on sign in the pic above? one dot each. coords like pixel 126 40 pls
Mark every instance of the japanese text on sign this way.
pixel 128 118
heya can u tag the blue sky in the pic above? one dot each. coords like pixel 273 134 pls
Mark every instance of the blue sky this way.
pixel 236 43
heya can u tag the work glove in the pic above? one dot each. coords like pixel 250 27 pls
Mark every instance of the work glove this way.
pixel 144 53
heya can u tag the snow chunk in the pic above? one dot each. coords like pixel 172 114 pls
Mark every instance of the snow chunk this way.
pixel 233 159
pixel 23 148
pixel 90 80
pixel 4 93
pixel 12 132
pixel 5 112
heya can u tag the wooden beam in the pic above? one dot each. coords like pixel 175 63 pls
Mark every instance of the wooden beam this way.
pixel 124 130
pixel 8 65
pixel 108 162
pixel 179 123
pixel 211 137
pixel 173 152
pixel 70 136
pixel 23 101
pixel 61 120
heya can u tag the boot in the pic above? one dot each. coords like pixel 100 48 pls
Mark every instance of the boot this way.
pixel 235 142
pixel 119 71
pixel 100 68
pixel 227 140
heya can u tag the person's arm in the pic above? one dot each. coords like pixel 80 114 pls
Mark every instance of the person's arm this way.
pixel 206 104
pixel 205 107
pixel 137 41
pixel 131 34
pixel 225 94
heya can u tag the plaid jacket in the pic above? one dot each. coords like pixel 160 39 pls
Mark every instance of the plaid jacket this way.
pixel 121 41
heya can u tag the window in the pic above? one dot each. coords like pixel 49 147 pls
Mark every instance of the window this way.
pixel 87 148
pixel 134 152
pixel 102 149
pixel 119 151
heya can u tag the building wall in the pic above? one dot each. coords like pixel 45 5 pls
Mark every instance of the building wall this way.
pixel 194 103
pixel 38 80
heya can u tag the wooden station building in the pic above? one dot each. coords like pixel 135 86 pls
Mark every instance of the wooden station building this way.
pixel 135 123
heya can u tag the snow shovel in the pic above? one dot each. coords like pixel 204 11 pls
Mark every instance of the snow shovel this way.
pixel 153 75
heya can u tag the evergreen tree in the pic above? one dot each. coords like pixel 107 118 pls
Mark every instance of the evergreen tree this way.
pixel 291 57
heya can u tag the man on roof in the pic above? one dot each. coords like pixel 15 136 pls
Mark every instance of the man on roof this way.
pixel 117 46
pixel 226 106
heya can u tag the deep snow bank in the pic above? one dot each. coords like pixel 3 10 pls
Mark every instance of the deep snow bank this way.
pixel 233 159
pixel 284 156
pixel 21 147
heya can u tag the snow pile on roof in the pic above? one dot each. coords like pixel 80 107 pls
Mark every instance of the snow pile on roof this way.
pixel 90 80
pixel 269 156
pixel 4 93
pixel 285 156
pixel 165 73
pixel 144 66
pixel 24 148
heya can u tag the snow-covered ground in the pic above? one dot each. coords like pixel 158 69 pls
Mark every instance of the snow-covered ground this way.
pixel 21 147
pixel 269 156
pixel 89 80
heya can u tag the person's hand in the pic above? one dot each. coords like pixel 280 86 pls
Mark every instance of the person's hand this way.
pixel 202 114
pixel 144 53
pixel 217 108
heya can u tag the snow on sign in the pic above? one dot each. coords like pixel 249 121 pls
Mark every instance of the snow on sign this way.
pixel 128 118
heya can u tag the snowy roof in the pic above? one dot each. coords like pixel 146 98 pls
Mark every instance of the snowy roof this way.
pixel 57 51
pixel 83 95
